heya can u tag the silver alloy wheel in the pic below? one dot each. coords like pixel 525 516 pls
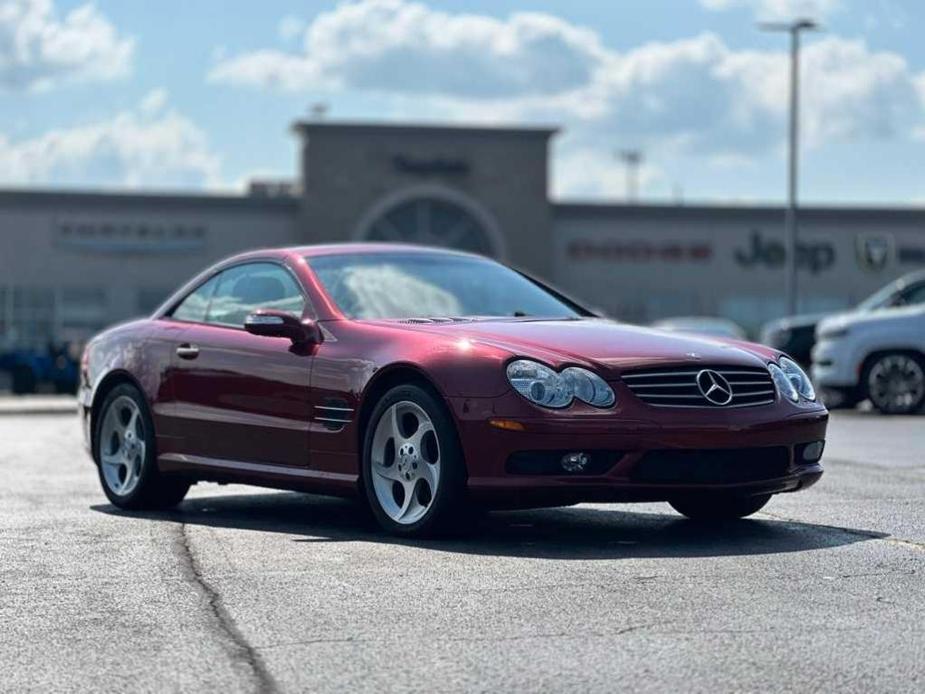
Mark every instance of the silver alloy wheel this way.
pixel 122 446
pixel 896 383
pixel 405 462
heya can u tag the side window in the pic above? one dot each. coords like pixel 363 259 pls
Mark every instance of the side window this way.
pixel 194 306
pixel 913 295
pixel 246 288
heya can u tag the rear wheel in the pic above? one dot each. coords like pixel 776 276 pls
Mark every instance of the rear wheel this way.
pixel 896 383
pixel 719 506
pixel 413 471
pixel 124 450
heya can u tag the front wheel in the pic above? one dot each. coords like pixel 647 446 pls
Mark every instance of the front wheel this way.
pixel 896 383
pixel 124 453
pixel 719 507
pixel 413 471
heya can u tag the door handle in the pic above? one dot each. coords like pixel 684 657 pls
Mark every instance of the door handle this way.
pixel 187 351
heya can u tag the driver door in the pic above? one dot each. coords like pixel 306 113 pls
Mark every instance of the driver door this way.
pixel 242 397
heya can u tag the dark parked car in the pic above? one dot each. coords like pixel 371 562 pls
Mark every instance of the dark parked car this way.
pixel 32 369
pixel 427 382
pixel 793 335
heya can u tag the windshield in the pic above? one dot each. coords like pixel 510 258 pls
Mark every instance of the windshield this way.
pixel 881 298
pixel 426 285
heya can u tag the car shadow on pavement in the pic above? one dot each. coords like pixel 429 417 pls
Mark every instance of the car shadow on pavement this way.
pixel 562 533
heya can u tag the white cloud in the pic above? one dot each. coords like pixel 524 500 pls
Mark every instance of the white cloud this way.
pixel 920 87
pixel 690 94
pixel 853 93
pixel 778 9
pixel 692 97
pixel 154 101
pixel 39 49
pixel 150 145
pixel 290 27
pixel 407 47
pixel 700 94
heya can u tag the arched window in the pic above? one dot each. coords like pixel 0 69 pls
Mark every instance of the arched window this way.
pixel 432 221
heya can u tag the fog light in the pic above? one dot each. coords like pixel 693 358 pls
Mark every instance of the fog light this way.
pixel 813 451
pixel 575 462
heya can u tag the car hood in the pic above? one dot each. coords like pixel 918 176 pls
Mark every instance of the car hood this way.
pixel 611 346
pixel 877 320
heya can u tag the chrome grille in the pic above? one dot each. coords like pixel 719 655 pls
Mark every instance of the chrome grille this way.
pixel 677 386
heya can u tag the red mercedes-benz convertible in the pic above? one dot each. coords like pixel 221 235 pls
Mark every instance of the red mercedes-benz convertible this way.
pixel 428 382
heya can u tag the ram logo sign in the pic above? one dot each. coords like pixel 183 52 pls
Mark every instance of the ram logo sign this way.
pixel 874 251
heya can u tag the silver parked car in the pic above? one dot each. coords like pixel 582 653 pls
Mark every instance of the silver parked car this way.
pixel 877 354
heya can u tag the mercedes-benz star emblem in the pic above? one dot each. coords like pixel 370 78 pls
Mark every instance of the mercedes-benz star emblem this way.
pixel 714 387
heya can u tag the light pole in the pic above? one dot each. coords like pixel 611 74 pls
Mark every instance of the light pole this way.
pixel 793 28
pixel 632 158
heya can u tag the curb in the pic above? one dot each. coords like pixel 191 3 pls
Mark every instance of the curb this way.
pixel 17 406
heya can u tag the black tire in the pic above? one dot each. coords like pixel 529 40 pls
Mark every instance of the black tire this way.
pixel 884 404
pixel 715 507
pixel 154 489
pixel 449 510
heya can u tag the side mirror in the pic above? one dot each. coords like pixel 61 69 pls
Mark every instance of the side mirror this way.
pixel 270 323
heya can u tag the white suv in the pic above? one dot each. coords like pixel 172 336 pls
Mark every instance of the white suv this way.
pixel 878 354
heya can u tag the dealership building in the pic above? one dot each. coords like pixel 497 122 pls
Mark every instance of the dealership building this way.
pixel 72 262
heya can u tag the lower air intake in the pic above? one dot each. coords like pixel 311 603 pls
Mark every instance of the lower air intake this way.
pixel 718 466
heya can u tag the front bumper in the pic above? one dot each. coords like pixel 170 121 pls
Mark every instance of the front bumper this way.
pixel 633 432
pixel 834 364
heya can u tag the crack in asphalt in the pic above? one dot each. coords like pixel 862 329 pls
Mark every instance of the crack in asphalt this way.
pixel 223 624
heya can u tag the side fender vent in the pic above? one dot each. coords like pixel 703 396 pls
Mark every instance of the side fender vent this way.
pixel 334 413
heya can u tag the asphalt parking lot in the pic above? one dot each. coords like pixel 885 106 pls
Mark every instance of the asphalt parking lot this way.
pixel 242 589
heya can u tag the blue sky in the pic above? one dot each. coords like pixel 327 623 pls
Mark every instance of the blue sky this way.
pixel 200 94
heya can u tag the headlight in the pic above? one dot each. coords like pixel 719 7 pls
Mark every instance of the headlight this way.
pixel 538 383
pixel 544 386
pixel 798 378
pixel 588 387
pixel 783 384
pixel 835 333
